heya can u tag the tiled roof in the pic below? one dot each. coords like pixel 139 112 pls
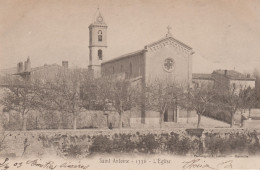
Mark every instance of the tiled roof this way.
pixel 124 56
pixel 44 67
pixel 171 38
pixel 202 76
pixel 149 45
pixel 234 75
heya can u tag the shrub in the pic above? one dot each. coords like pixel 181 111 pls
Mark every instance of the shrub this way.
pixel 172 143
pixel 101 144
pixel 196 132
pixel 147 144
pixel 216 145
pixel 123 143
pixel 179 145
pixel 72 151
pixel 237 142
pixel 254 145
pixel 184 145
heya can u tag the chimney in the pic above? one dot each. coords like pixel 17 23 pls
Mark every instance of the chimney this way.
pixel 20 67
pixel 28 64
pixel 65 64
pixel 25 66
pixel 225 72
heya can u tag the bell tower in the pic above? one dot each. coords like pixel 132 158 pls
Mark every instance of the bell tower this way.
pixel 97 44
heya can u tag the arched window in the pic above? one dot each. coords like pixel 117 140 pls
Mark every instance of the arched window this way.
pixel 99 35
pixel 100 57
pixel 130 70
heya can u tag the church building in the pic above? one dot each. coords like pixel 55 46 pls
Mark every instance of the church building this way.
pixel 167 58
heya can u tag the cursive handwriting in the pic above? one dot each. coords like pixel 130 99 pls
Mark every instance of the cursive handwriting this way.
pixel 67 165
pixel 5 164
pixel 49 165
pixel 46 165
pixel 225 165
pixel 196 163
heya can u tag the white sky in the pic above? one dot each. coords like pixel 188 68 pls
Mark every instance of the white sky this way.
pixel 223 33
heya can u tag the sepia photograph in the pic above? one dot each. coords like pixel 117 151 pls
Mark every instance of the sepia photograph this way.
pixel 130 84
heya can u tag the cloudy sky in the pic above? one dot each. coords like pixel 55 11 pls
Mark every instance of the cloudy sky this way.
pixel 224 34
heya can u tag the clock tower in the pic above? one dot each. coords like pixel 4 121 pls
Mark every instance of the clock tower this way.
pixel 97 44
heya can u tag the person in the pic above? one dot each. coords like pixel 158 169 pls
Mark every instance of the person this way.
pixel 110 126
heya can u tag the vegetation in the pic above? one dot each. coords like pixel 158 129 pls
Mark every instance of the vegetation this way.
pixel 71 92
pixel 214 144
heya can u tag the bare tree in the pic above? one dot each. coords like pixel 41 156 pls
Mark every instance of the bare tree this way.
pixel 120 93
pixel 248 98
pixel 20 96
pixel 229 100
pixel 160 94
pixel 256 73
pixel 199 99
pixel 63 92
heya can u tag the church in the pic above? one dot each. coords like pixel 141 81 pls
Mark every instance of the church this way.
pixel 164 58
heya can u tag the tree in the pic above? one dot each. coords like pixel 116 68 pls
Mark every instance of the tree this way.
pixel 248 98
pixel 160 94
pixel 20 95
pixel 230 101
pixel 122 94
pixel 199 99
pixel 256 73
pixel 63 92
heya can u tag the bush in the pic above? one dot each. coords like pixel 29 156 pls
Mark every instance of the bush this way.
pixel 172 143
pixel 216 145
pixel 184 145
pixel 232 143
pixel 195 132
pixel 101 144
pixel 237 142
pixel 148 144
pixel 123 143
pixel 72 151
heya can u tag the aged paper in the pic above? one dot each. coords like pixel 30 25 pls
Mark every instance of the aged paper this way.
pixel 82 84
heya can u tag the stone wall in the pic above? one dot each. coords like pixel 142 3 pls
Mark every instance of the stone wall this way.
pixel 58 120
pixel 79 142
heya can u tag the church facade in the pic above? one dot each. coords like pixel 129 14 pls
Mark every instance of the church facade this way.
pixel 167 58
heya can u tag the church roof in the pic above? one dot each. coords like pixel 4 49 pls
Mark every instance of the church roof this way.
pixel 169 37
pixel 124 56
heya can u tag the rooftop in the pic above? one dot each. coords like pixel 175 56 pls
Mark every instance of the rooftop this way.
pixel 202 76
pixel 234 75
pixel 168 37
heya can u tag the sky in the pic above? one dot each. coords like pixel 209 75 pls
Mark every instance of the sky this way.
pixel 224 34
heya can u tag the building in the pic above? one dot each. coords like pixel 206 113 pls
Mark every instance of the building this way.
pixel 202 79
pixel 257 86
pixel 97 44
pixel 47 71
pixel 223 80
pixel 167 58
pixel 231 79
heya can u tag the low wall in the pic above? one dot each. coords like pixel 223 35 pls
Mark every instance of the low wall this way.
pixel 251 124
pixel 58 120
pixel 81 143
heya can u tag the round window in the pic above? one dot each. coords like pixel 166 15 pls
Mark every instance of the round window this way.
pixel 168 65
